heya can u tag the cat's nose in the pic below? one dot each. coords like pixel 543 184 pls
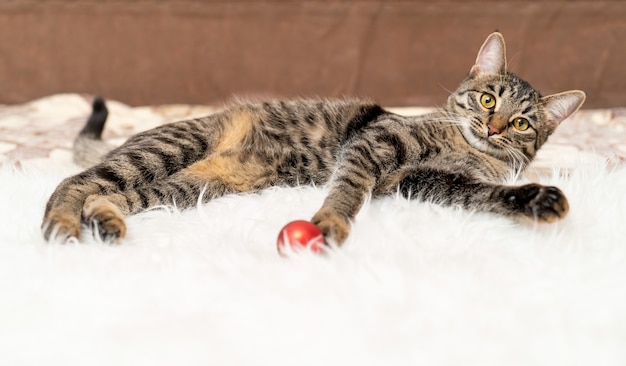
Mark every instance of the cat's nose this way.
pixel 496 124
pixel 492 130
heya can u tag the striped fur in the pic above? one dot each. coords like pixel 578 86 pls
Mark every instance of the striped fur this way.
pixel 458 155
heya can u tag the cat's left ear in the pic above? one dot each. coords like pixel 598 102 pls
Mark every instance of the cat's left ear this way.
pixel 562 105
pixel 491 58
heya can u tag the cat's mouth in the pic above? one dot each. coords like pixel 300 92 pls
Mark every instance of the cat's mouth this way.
pixel 478 137
pixel 492 140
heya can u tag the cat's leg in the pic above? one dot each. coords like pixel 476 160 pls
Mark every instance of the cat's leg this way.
pixel 532 201
pixel 355 176
pixel 120 173
pixel 149 157
pixel 62 217
pixel 200 182
pixel 363 163
pixel 64 210
pixel 106 213
pixel 348 192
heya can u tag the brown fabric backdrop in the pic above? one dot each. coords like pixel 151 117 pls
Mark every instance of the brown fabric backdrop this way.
pixel 397 52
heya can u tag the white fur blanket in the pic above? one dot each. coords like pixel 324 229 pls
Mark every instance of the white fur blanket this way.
pixel 414 284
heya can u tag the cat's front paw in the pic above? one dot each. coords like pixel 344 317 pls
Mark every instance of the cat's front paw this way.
pixel 105 218
pixel 542 203
pixel 60 225
pixel 333 226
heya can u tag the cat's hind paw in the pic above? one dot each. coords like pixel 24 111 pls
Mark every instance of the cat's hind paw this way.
pixel 541 203
pixel 60 226
pixel 104 218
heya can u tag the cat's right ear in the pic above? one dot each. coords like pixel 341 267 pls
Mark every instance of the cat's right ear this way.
pixel 491 58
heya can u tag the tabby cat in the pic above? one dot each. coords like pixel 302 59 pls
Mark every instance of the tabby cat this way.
pixel 460 155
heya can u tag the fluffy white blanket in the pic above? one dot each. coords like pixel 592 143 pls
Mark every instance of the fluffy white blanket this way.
pixel 415 283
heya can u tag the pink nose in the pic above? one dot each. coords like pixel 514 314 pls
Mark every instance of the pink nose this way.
pixel 492 130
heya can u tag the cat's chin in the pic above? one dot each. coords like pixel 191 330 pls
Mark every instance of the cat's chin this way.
pixel 483 144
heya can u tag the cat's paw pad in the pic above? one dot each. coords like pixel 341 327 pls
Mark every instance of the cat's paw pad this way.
pixel 105 218
pixel 543 203
pixel 60 226
pixel 333 226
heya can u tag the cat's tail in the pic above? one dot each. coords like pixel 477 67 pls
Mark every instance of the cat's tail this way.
pixel 88 146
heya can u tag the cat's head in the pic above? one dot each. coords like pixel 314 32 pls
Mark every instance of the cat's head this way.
pixel 502 114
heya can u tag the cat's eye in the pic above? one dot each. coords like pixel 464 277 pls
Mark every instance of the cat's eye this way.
pixel 487 100
pixel 521 124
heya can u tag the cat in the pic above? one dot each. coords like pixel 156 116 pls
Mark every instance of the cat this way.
pixel 459 155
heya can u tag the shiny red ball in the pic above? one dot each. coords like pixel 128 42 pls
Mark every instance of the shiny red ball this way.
pixel 299 235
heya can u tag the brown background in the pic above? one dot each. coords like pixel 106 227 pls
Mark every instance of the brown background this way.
pixel 398 52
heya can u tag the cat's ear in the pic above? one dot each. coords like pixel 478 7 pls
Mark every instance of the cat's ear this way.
pixel 562 105
pixel 491 58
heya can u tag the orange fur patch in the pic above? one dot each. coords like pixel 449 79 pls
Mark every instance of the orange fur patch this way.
pixel 224 164
pixel 235 131
pixel 243 177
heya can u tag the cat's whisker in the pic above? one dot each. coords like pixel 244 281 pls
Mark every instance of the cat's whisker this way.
pixel 445 117
pixel 450 92
pixel 446 121
pixel 519 161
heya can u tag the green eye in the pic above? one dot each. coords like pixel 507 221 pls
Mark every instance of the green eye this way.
pixel 521 124
pixel 487 100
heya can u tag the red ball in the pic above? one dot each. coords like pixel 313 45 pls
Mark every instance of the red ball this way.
pixel 299 235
